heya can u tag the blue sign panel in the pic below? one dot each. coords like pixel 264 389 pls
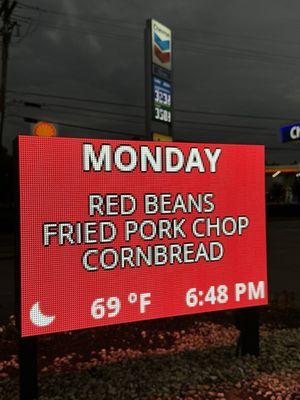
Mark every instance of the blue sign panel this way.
pixel 162 100
pixel 290 133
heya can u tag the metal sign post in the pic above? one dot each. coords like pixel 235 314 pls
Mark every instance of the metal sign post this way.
pixel 28 368
pixel 247 322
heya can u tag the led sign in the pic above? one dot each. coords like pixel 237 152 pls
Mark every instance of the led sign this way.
pixel 121 231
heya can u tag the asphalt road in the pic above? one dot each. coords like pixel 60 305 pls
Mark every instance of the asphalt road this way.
pixel 283 240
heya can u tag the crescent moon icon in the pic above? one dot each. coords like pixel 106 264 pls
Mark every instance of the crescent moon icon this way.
pixel 38 318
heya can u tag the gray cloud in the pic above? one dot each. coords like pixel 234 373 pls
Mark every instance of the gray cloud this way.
pixel 233 56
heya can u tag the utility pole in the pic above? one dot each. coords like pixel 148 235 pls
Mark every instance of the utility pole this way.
pixel 6 31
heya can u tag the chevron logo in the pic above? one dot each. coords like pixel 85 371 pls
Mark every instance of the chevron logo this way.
pixel 163 57
pixel 162 48
pixel 164 45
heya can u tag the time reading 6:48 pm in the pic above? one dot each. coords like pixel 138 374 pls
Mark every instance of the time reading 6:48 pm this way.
pixel 221 294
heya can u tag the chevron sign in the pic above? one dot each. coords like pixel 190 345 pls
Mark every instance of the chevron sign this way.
pixel 161 45
pixel 162 48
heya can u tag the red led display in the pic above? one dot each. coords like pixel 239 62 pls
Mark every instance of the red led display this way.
pixel 121 231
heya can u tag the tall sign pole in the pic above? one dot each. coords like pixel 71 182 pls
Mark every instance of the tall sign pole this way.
pixel 158 79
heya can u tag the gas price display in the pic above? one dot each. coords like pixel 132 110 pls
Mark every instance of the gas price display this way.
pixel 161 100
pixel 122 231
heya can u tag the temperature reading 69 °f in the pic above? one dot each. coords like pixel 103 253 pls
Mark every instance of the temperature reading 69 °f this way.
pixel 112 306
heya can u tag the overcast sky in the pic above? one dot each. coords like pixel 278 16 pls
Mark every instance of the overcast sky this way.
pixel 238 57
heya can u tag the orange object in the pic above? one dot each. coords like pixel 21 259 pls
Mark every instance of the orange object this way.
pixel 44 129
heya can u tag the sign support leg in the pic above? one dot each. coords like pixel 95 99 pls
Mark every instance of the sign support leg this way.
pixel 28 368
pixel 247 321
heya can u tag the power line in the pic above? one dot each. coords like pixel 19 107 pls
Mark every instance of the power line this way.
pixel 131 105
pixel 241 36
pixel 210 51
pixel 70 107
pixel 85 100
pixel 81 127
pixel 69 28
pixel 225 131
pixel 271 148
pixel 135 26
pixel 99 118
pixel 226 125
pixel 205 124
pixel 232 52
pixel 111 21
pixel 247 116
pixel 48 106
pixel 141 117
pixel 239 50
pixel 207 48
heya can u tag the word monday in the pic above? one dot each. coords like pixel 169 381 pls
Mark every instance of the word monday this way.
pixel 126 158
